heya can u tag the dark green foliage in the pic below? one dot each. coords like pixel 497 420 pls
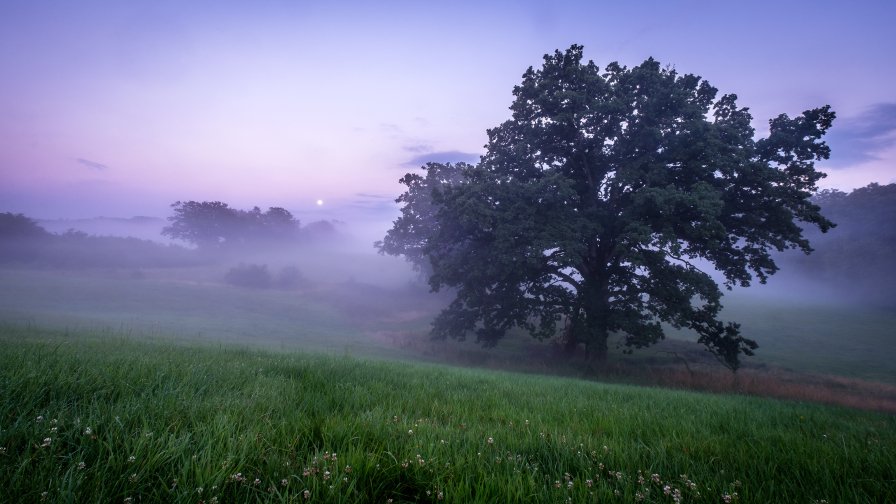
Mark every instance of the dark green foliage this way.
pixel 413 231
pixel 212 225
pixel 601 202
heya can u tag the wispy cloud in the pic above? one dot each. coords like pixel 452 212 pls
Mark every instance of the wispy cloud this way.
pixel 441 157
pixel 862 138
pixel 371 205
pixel 92 164
pixel 418 148
pixel 373 196
pixel 375 203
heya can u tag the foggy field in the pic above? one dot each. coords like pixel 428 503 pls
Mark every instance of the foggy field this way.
pixel 363 318
pixel 100 418
pixel 171 384
pixel 177 384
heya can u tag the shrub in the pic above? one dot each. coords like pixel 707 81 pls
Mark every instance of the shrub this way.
pixel 291 278
pixel 249 275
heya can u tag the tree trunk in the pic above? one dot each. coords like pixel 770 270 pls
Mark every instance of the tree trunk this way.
pixel 570 344
pixel 597 351
pixel 596 347
pixel 597 311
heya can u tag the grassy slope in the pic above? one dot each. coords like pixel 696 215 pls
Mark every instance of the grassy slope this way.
pixel 821 337
pixel 214 420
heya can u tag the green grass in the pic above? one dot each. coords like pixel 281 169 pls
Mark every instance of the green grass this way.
pixel 168 422
pixel 831 338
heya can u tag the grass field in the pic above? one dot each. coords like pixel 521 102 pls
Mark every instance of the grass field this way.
pixel 810 350
pixel 365 319
pixel 99 418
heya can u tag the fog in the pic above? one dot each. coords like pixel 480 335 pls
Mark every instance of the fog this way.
pixel 144 228
pixel 327 289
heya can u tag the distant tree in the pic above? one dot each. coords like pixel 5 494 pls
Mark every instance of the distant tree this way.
pixel 595 201
pixel 858 258
pixel 215 225
pixel 207 224
pixel 18 226
pixel 22 240
pixel 290 277
pixel 321 230
pixel 828 197
pixel 255 276
pixel 278 223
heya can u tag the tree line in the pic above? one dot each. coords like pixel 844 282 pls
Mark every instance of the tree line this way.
pixel 214 229
pixel 858 257
pixel 24 242
pixel 216 226
pixel 211 225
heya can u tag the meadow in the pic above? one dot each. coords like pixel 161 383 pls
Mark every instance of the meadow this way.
pixel 825 344
pixel 168 385
pixel 87 417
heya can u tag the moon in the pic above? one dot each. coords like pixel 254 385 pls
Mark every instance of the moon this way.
pixel 320 202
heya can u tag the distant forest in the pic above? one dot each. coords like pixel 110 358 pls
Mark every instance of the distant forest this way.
pixel 214 230
pixel 23 242
pixel 858 257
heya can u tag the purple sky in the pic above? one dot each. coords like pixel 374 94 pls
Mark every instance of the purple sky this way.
pixel 121 108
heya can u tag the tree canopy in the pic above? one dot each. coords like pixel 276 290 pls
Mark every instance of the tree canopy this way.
pixel 600 205
pixel 18 226
pixel 215 225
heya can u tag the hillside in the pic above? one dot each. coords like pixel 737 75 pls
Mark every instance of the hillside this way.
pixel 91 418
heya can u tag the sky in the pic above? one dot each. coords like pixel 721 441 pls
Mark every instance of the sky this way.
pixel 119 109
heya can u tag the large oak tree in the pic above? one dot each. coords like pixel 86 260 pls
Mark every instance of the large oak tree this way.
pixel 600 206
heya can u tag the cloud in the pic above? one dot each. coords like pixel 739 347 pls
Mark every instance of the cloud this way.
pixel 391 129
pixel 441 157
pixel 92 164
pixel 419 148
pixel 365 207
pixel 862 138
pixel 373 202
pixel 373 196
